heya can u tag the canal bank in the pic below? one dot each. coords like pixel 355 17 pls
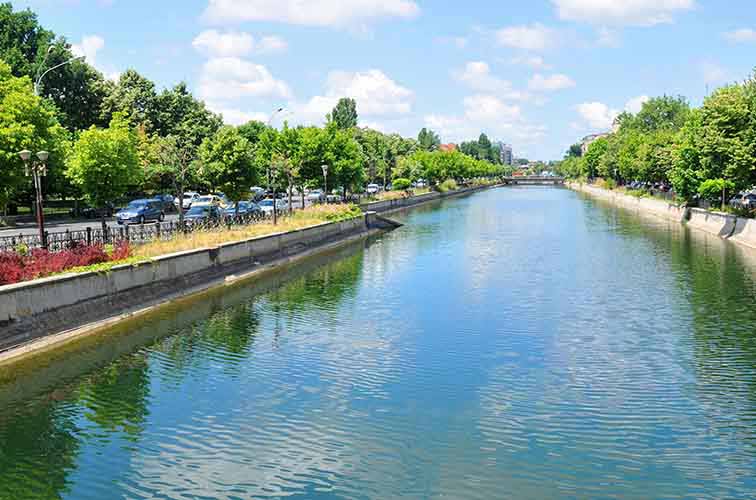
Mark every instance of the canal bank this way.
pixel 44 313
pixel 726 226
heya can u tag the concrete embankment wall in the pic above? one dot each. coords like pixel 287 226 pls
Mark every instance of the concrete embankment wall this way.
pixel 726 226
pixel 39 308
pixel 36 308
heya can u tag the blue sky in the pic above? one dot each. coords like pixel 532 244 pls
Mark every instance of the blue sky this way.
pixel 538 74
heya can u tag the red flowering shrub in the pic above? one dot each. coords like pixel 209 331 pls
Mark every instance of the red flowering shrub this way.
pixel 15 267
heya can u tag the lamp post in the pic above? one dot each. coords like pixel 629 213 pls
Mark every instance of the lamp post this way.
pixel 39 80
pixel 325 181
pixel 273 115
pixel 37 169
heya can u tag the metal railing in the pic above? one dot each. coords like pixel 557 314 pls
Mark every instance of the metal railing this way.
pixel 136 234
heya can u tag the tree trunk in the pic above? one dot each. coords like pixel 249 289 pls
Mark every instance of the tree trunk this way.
pixel 290 198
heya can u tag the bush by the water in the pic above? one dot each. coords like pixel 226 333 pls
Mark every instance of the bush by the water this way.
pixel 38 263
pixel 711 190
pixel 401 184
pixel 447 185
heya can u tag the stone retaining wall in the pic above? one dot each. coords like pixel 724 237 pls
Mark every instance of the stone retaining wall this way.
pixel 726 226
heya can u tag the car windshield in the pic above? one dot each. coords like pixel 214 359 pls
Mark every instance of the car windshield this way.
pixel 188 196
pixel 266 203
pixel 205 199
pixel 136 204
pixel 198 211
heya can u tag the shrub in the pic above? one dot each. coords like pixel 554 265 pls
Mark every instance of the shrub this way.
pixel 401 184
pixel 711 190
pixel 38 263
pixel 447 185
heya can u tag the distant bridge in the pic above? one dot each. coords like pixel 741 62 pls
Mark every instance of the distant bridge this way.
pixel 534 180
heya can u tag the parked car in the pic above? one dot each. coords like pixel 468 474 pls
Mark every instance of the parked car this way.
pixel 257 193
pixel 94 213
pixel 373 189
pixel 420 183
pixel 744 200
pixel 267 205
pixel 202 214
pixel 167 202
pixel 190 197
pixel 141 211
pixel 211 199
pixel 316 196
pixel 246 208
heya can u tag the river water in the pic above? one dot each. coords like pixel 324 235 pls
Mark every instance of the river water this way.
pixel 517 343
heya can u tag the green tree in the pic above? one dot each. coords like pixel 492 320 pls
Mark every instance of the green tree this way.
pixel 135 97
pixel 593 157
pixel 575 151
pixel 344 115
pixel 174 164
pixel 104 163
pixel 227 164
pixel 178 113
pixel 26 122
pixel 345 159
pixel 716 190
pixel 77 89
pixel 428 140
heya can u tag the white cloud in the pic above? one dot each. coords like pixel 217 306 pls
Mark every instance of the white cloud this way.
pixel 332 13
pixel 477 76
pixel 226 78
pixel 271 44
pixel 88 47
pixel 597 114
pixel 533 37
pixel 621 12
pixel 486 113
pixel 535 62
pixel 234 116
pixel 550 83
pixel 712 72
pixel 235 44
pixel 743 35
pixel 376 94
pixel 229 44
pixel 607 38
pixel 635 104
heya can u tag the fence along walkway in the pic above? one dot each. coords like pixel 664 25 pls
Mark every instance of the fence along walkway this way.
pixel 133 234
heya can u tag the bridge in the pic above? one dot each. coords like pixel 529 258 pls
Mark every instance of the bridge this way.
pixel 534 180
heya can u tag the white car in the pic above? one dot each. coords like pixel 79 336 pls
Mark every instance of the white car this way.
pixel 316 196
pixel 211 199
pixel 267 205
pixel 373 189
pixel 188 200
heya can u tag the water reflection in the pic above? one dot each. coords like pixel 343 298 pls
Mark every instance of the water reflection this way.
pixel 520 343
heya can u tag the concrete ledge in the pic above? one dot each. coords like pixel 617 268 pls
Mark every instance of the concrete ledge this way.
pixel 725 226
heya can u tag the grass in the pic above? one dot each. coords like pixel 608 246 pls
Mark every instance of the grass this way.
pixel 300 219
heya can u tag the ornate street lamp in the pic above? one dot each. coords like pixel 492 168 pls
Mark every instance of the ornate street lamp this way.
pixel 325 181
pixel 37 169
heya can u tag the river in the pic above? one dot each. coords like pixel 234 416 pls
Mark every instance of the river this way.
pixel 523 343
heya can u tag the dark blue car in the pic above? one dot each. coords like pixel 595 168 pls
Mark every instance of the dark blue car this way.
pixel 246 208
pixel 141 211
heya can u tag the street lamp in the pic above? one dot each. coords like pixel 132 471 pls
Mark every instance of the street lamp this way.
pixel 273 115
pixel 37 169
pixel 39 80
pixel 325 181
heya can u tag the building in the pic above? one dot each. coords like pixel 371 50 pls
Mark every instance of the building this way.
pixel 447 147
pixel 505 152
pixel 590 139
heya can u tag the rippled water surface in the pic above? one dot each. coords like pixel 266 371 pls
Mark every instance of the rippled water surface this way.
pixel 518 343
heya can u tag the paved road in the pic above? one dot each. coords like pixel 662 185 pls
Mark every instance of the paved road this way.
pixel 80 225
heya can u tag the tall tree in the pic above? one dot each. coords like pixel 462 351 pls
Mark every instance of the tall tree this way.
pixel 428 140
pixel 26 122
pixel 104 162
pixel 178 113
pixel 344 115
pixel 227 164
pixel 135 97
